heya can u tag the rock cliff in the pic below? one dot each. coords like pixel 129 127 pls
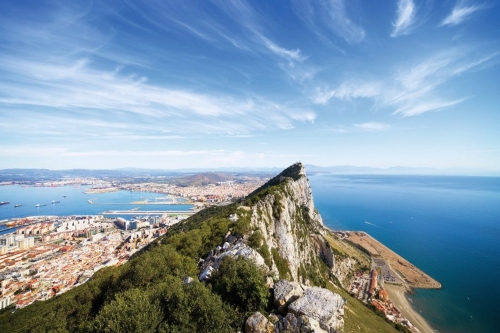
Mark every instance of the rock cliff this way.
pixel 283 213
pixel 285 236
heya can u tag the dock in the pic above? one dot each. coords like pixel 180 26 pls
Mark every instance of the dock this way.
pixel 147 212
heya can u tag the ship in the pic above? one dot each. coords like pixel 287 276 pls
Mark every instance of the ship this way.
pixel 4 203
pixel 38 205
pixel 55 202
pixel 17 206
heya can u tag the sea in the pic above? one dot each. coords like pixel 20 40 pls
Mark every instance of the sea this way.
pixel 73 201
pixel 447 226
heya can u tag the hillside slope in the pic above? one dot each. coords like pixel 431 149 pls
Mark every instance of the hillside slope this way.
pixel 214 271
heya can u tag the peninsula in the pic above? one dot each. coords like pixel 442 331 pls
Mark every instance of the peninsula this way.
pixel 264 263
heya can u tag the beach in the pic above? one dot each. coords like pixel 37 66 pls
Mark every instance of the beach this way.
pixel 412 276
pixel 397 296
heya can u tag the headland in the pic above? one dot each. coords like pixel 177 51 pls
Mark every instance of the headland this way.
pixel 399 276
pixel 413 277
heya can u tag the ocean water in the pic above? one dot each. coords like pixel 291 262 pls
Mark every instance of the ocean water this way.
pixel 75 202
pixel 447 226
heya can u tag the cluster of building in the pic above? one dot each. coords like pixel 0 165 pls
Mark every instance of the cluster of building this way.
pixel 54 254
pixel 212 193
pixel 369 288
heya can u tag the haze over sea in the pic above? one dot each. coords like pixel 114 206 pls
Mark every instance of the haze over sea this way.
pixel 447 226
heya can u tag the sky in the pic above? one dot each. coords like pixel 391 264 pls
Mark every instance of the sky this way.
pixel 232 83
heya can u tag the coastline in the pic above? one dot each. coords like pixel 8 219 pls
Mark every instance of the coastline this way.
pixel 415 277
pixel 397 295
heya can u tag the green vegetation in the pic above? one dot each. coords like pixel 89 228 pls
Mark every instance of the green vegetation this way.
pixel 281 264
pixel 242 284
pixel 148 294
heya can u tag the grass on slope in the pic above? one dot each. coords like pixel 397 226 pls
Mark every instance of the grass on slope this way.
pixel 358 318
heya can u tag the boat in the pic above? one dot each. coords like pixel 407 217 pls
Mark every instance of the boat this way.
pixel 17 206
pixel 64 196
pixel 55 202
pixel 4 203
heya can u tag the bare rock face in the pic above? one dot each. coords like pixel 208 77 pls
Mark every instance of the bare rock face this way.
pixel 301 324
pixel 236 249
pixel 257 323
pixel 286 217
pixel 321 305
pixel 285 292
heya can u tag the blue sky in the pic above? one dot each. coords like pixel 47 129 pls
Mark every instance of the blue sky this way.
pixel 233 83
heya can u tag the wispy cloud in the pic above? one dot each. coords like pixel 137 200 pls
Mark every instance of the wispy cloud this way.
pixel 324 17
pixel 348 90
pixel 412 89
pixel 405 18
pixel 372 126
pixel 460 13
pixel 282 52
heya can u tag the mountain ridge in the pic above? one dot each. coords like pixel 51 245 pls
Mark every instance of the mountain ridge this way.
pixel 157 290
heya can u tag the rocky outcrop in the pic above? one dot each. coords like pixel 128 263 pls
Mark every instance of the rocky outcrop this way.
pixel 257 323
pixel 286 216
pixel 285 292
pixel 315 310
pixel 286 237
pixel 343 269
pixel 321 305
pixel 232 246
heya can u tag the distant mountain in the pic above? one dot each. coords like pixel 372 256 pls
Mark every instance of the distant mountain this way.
pixel 141 174
pixel 202 179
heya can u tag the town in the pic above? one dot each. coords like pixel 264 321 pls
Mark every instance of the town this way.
pixel 51 255
pixel 45 256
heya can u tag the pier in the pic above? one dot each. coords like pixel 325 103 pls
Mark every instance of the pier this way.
pixel 147 212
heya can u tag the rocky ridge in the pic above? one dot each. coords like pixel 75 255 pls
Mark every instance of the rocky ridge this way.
pixel 285 239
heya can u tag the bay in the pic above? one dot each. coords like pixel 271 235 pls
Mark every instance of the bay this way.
pixel 447 226
pixel 72 201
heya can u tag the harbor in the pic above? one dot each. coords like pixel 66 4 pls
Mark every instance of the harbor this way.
pixel 147 212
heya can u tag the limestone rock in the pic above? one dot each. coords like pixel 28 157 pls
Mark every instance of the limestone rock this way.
pixel 285 292
pixel 257 323
pixel 237 249
pixel 322 305
pixel 300 324
pixel 287 217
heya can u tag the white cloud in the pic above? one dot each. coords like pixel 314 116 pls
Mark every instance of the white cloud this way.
pixel 414 109
pixel 348 90
pixel 460 13
pixel 282 52
pixel 405 18
pixel 372 126
pixel 413 89
pixel 324 17
pixel 84 89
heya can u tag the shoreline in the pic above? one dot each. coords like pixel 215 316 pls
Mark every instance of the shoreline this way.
pixel 397 294
pixel 413 277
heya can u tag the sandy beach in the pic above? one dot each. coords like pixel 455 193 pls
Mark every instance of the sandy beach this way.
pixel 413 278
pixel 397 296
